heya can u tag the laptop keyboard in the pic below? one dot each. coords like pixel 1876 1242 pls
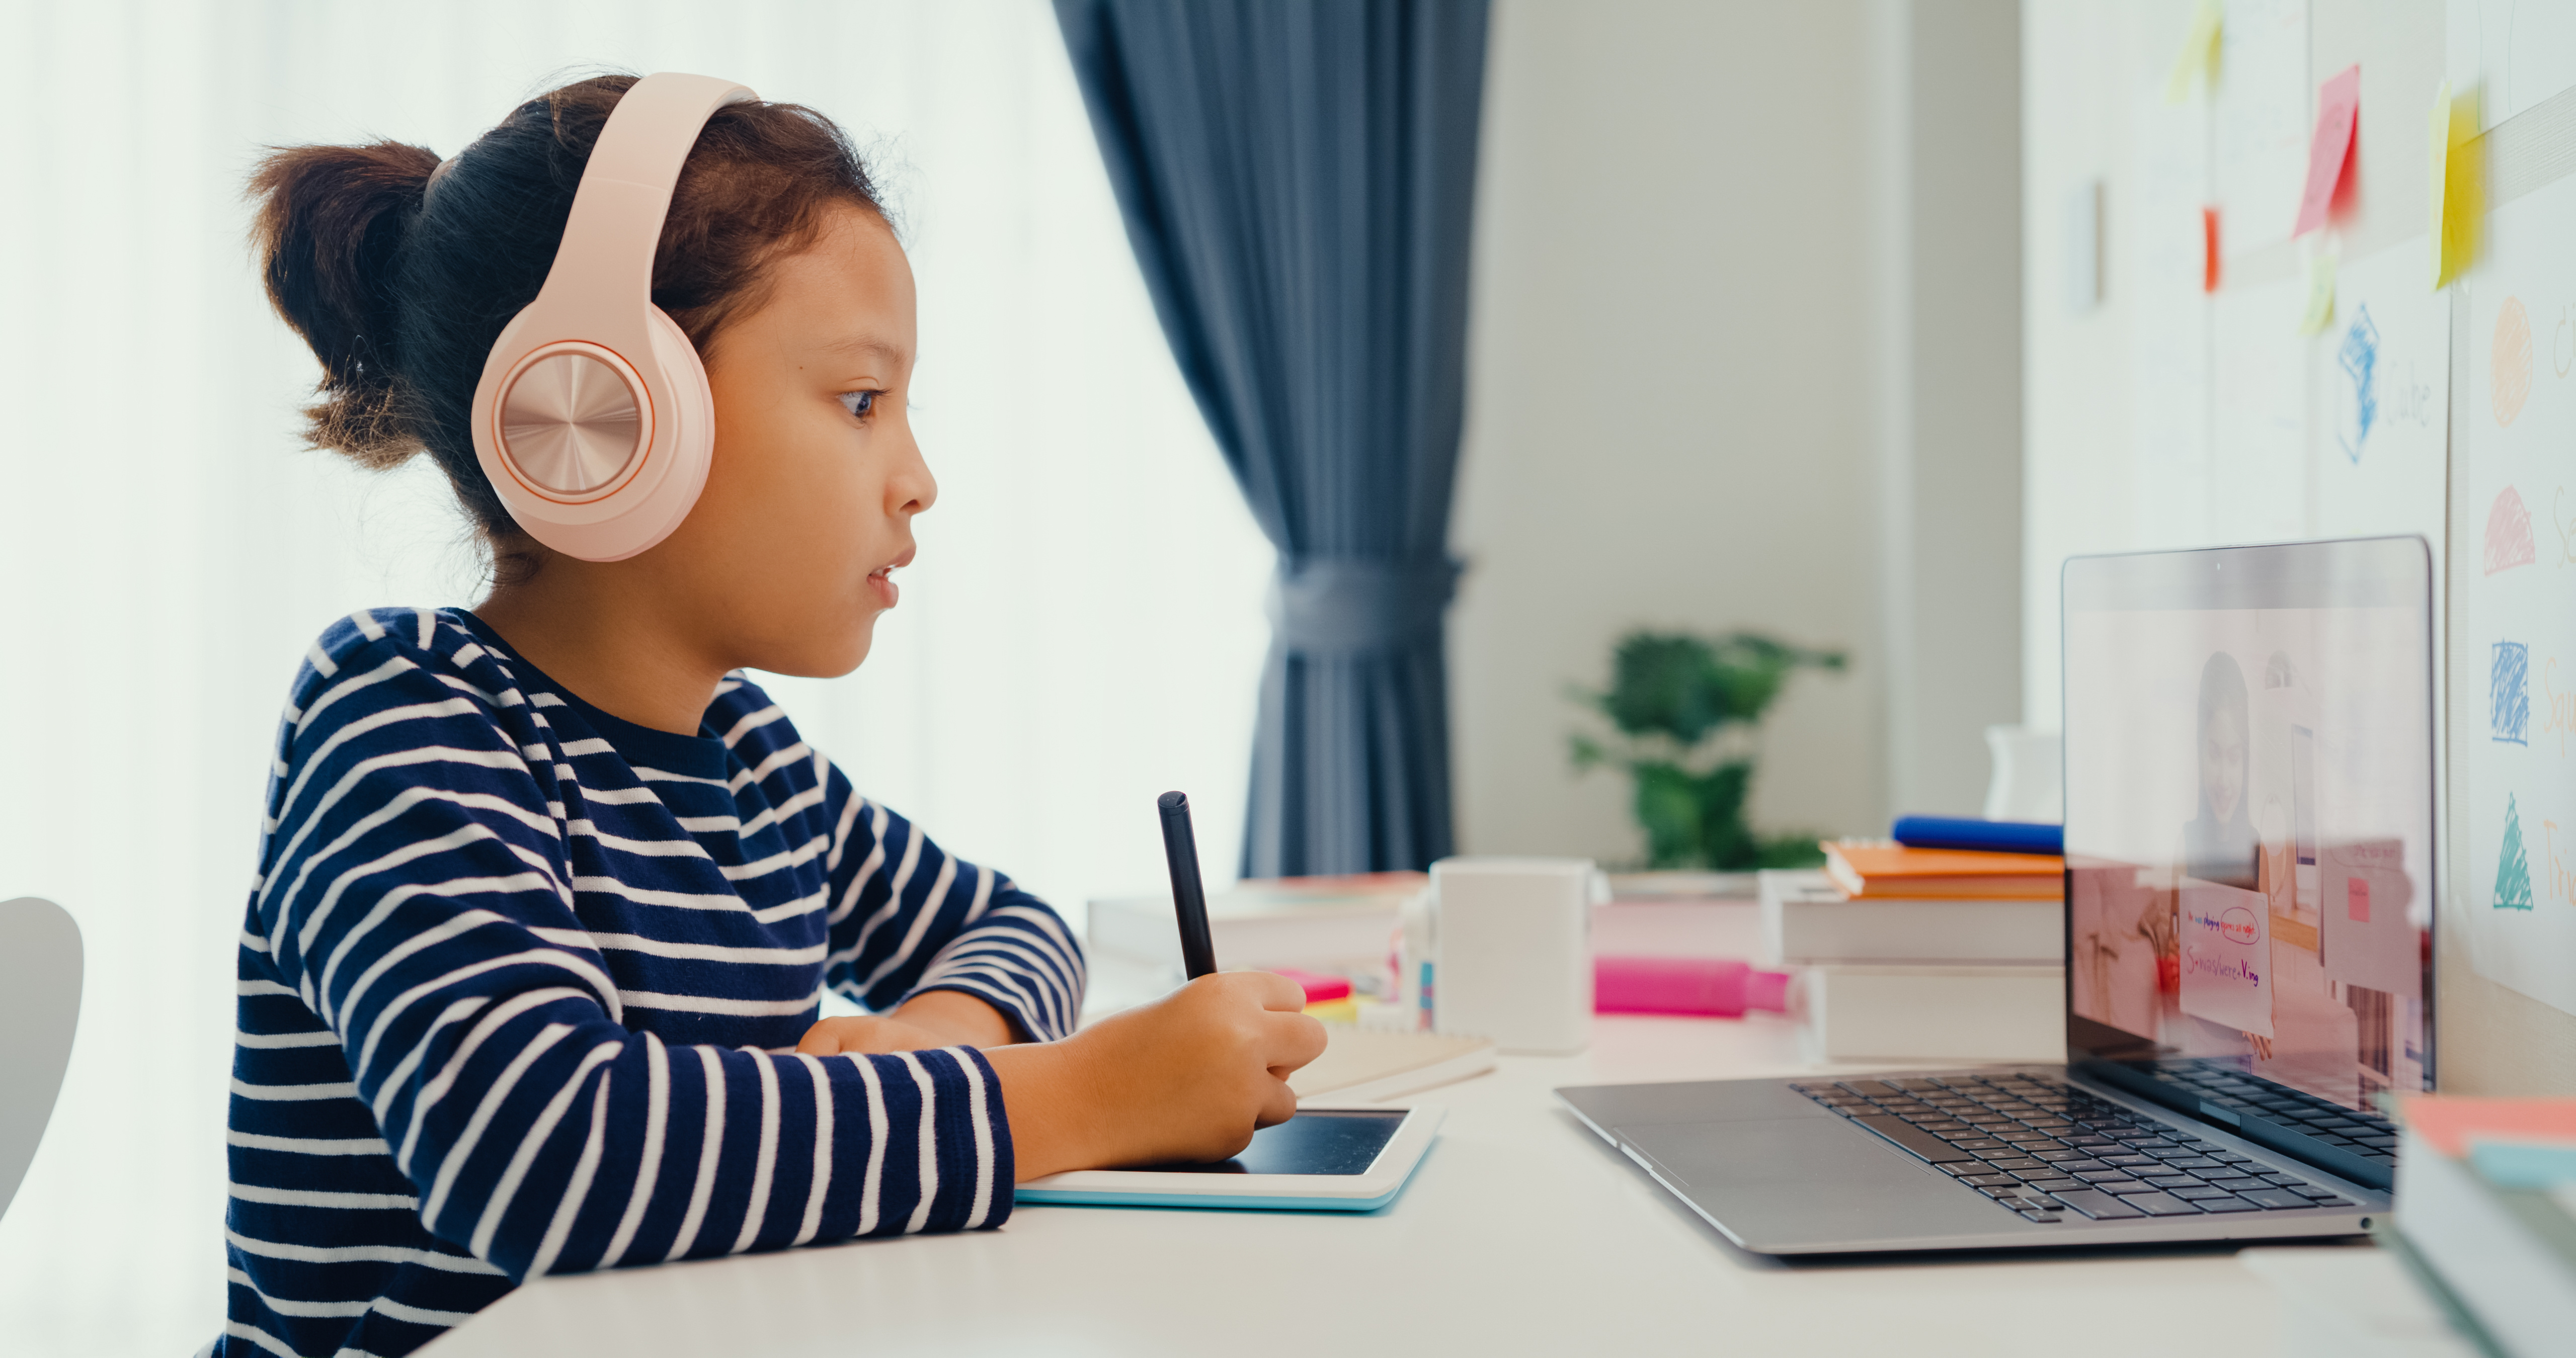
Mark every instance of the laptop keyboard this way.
pixel 2368 1137
pixel 2042 1148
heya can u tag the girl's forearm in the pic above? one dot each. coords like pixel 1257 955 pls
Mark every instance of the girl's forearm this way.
pixel 959 1017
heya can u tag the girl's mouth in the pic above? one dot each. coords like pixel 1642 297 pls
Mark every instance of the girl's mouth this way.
pixel 881 579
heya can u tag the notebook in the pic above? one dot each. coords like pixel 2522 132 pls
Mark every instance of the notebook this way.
pixel 1364 1067
pixel 1866 870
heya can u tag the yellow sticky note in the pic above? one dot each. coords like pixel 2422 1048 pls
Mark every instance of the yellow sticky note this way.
pixel 2459 189
pixel 2321 295
pixel 2200 48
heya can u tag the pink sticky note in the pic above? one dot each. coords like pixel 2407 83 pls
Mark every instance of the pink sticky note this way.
pixel 2338 106
pixel 2356 899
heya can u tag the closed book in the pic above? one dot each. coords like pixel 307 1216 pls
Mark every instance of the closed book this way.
pixel 1930 1013
pixel 1318 923
pixel 1865 869
pixel 2505 1256
pixel 2486 1203
pixel 1807 920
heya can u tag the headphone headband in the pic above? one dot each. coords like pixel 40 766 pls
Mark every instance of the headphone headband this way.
pixel 605 263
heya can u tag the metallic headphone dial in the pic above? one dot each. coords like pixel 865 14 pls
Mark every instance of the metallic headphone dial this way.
pixel 572 424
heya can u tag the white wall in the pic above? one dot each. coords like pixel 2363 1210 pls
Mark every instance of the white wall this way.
pixel 1692 377
pixel 1668 419
pixel 1947 299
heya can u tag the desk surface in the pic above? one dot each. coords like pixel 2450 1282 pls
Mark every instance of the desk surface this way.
pixel 1520 1233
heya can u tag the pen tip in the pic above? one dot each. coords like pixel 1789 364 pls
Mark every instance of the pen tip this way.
pixel 1172 801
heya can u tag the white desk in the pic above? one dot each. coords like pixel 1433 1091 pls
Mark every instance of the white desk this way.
pixel 1521 1233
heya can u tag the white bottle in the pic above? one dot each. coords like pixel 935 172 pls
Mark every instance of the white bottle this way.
pixel 1514 949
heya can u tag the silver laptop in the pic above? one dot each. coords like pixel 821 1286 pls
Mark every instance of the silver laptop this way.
pixel 2249 951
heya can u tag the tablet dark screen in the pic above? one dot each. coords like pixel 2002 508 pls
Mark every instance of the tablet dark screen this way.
pixel 1324 1141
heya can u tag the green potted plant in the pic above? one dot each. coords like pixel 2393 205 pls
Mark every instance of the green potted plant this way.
pixel 1686 713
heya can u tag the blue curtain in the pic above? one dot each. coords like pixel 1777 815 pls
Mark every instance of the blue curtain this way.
pixel 1297 177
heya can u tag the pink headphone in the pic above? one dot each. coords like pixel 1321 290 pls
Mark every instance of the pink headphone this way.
pixel 593 421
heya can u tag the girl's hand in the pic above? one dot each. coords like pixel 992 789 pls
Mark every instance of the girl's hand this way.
pixel 1189 1077
pixel 931 1019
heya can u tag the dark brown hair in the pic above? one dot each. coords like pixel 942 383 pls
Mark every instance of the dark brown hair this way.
pixel 401 272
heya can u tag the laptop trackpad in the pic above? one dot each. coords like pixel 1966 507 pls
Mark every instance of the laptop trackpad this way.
pixel 1795 1182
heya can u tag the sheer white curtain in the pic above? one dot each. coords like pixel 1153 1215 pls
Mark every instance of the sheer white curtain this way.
pixel 1083 629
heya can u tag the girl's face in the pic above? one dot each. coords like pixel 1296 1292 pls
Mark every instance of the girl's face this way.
pixel 786 561
pixel 2222 762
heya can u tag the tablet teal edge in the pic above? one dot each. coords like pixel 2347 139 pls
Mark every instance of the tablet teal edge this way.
pixel 1096 1198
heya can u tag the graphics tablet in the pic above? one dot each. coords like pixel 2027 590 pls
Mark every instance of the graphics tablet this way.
pixel 1322 1160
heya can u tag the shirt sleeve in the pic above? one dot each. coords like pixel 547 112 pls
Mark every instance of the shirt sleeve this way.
pixel 907 916
pixel 414 892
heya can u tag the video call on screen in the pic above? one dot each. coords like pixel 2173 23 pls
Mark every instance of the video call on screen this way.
pixel 2249 808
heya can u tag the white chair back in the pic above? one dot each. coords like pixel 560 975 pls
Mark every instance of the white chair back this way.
pixel 40 990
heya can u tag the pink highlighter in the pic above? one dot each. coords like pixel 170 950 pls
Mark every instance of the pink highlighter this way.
pixel 1685 985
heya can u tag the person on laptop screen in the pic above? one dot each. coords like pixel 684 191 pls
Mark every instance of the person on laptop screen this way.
pixel 2218 844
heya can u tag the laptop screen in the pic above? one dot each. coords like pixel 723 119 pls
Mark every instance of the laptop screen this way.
pixel 2249 813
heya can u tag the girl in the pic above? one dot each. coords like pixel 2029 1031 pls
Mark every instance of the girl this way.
pixel 548 889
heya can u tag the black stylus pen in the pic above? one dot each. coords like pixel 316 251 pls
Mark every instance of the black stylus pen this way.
pixel 1189 895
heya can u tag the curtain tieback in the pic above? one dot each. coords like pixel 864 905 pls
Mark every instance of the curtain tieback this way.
pixel 1356 606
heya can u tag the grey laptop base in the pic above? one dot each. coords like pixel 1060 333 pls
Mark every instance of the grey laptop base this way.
pixel 1828 1167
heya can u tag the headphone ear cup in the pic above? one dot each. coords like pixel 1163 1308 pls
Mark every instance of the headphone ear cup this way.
pixel 693 433
pixel 661 479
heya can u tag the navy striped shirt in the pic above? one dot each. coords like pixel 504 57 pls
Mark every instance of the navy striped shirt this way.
pixel 521 985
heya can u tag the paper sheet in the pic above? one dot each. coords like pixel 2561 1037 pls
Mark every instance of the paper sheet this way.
pixel 2227 957
pixel 2262 122
pixel 2259 451
pixel 2517 760
pixel 2519 51
pixel 2331 150
pixel 2381 432
pixel 2161 280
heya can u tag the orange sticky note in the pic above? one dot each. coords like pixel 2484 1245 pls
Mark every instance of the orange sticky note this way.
pixel 2209 249
pixel 2330 153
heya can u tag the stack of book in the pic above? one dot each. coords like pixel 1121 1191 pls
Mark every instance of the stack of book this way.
pixel 2486 1217
pixel 1910 954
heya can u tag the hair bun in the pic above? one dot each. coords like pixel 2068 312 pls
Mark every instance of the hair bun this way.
pixel 328 233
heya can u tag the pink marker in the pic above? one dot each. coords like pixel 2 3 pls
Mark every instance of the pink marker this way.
pixel 1319 988
pixel 1684 985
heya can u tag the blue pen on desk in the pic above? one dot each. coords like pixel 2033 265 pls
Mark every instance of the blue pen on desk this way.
pixel 1189 895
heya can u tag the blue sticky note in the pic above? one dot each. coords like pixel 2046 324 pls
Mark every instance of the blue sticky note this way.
pixel 2509 693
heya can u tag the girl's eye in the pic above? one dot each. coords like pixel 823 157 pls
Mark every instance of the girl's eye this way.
pixel 858 403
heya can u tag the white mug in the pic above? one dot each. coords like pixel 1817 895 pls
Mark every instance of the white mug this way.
pixel 2024 785
pixel 1514 949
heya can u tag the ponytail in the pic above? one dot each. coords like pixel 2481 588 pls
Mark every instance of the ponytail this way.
pixel 328 234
